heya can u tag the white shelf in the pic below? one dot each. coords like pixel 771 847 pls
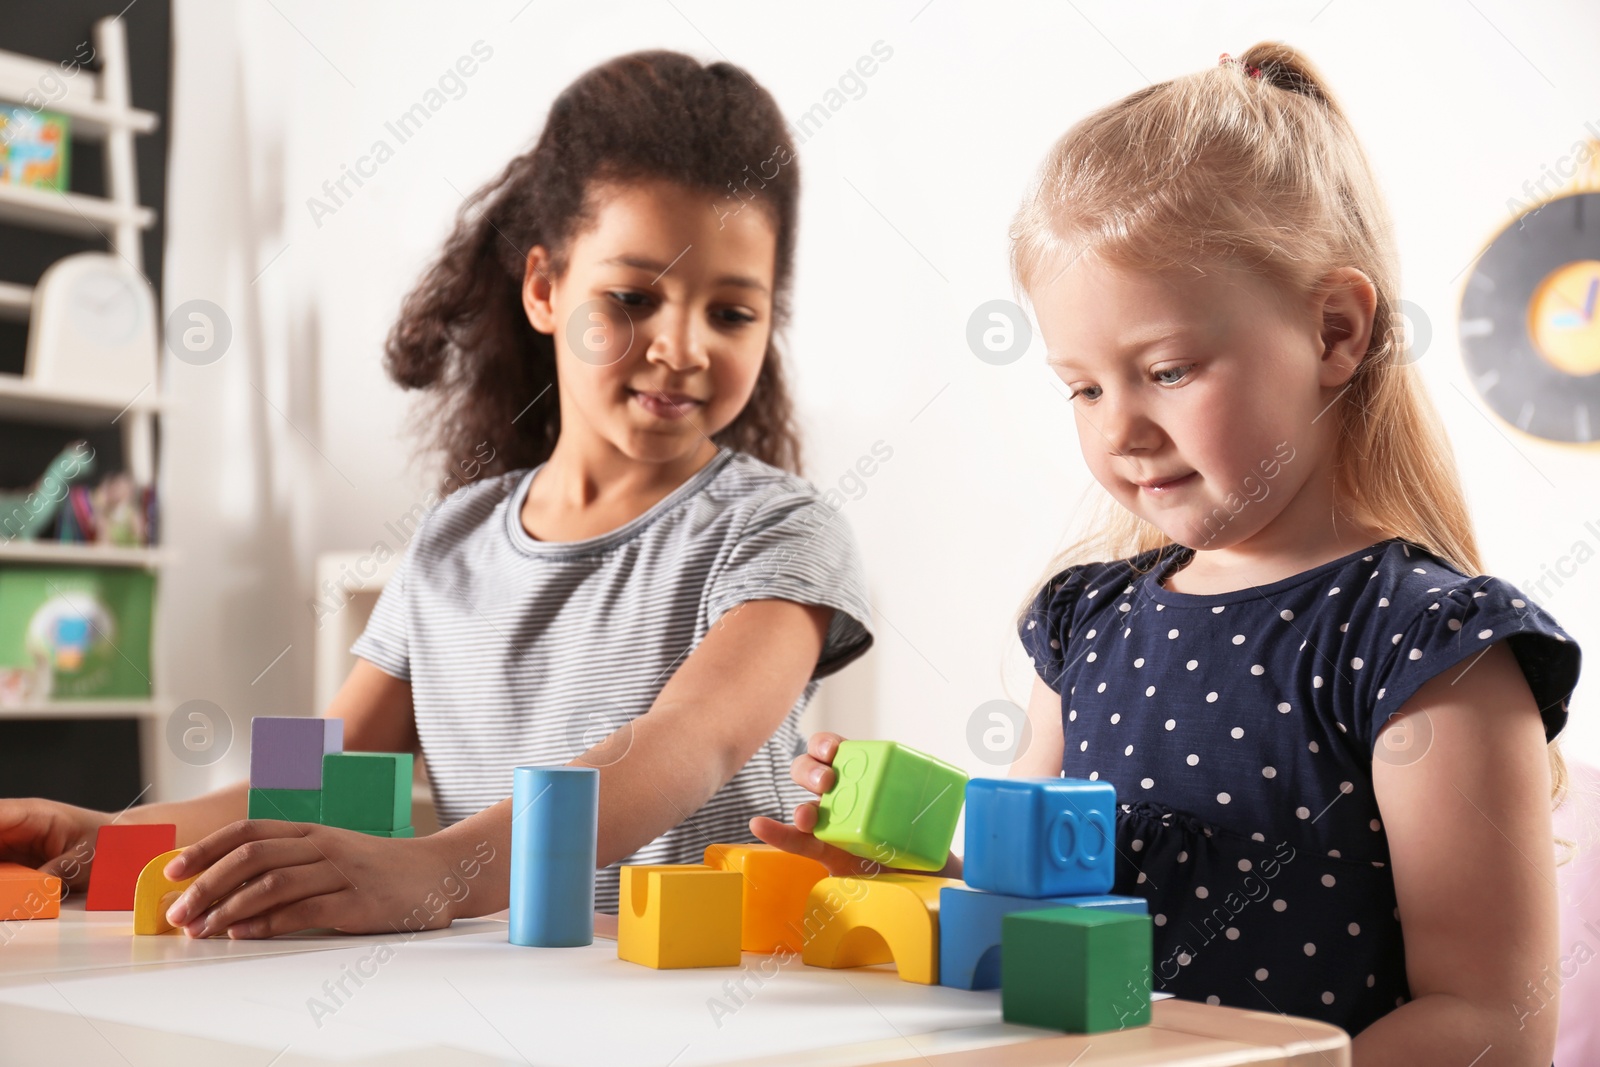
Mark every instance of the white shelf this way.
pixel 101 708
pixel 79 555
pixel 15 301
pixel 22 399
pixel 74 213
pixel 21 78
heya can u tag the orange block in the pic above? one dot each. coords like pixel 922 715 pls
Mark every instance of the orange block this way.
pixel 27 894
pixel 120 853
pixel 776 884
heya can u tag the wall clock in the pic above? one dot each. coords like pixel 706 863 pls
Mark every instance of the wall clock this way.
pixel 1530 320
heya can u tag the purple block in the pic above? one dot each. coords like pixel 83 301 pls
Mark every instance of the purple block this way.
pixel 286 753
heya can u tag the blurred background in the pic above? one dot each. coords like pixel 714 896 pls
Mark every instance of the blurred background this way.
pixel 238 480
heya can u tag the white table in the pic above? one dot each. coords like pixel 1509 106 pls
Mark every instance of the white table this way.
pixel 82 989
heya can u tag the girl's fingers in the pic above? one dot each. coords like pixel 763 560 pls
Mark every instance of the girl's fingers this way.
pixel 277 888
pixel 782 835
pixel 248 856
pixel 324 912
pixel 809 773
pixel 823 746
pixel 791 839
pixel 72 866
pixel 211 848
pixel 805 817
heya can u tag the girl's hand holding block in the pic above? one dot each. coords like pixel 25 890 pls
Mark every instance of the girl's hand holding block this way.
pixel 56 838
pixel 815 771
pixel 262 877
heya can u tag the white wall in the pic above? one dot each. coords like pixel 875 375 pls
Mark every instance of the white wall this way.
pixel 292 444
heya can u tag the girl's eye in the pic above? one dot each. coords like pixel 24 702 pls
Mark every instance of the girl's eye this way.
pixel 735 317
pixel 1165 376
pixel 628 298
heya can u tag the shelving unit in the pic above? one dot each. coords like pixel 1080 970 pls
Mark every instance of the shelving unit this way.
pixel 98 104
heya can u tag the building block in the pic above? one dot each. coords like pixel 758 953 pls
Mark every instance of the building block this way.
pixel 28 894
pixel 120 853
pixel 1082 970
pixel 891 804
pixel 678 915
pixel 154 895
pixel 286 752
pixel 366 790
pixel 969 930
pixel 775 886
pixel 1040 837
pixel 290 805
pixel 555 824
pixel 887 918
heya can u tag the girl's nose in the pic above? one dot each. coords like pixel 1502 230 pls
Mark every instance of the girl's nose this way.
pixel 1125 427
pixel 677 345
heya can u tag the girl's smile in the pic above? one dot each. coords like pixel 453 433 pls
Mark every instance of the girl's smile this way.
pixel 663 405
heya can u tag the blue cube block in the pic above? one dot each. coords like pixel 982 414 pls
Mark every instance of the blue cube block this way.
pixel 969 930
pixel 1040 837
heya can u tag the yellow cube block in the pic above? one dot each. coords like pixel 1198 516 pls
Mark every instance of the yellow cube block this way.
pixel 857 922
pixel 679 915
pixel 776 884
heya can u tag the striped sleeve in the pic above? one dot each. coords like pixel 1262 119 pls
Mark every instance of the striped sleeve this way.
pixel 795 547
pixel 383 642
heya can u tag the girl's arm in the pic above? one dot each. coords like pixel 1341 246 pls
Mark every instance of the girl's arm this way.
pixel 1046 742
pixel 727 699
pixel 263 878
pixel 1470 842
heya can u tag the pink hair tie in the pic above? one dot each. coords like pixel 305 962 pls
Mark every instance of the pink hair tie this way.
pixel 1225 59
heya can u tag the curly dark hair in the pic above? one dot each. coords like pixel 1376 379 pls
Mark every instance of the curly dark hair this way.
pixel 463 334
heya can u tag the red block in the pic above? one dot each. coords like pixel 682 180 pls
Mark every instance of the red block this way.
pixel 120 853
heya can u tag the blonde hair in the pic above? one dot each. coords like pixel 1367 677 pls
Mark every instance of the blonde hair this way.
pixel 1253 165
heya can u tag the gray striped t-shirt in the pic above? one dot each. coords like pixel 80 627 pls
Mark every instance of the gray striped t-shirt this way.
pixel 526 652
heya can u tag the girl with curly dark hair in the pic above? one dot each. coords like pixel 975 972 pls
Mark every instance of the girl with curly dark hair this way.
pixel 638 580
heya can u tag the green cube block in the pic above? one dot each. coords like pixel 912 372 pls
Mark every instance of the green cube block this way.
pixel 291 805
pixel 366 790
pixel 1081 970
pixel 892 804
pixel 404 831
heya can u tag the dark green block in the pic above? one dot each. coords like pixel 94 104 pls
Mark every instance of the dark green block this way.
pixel 404 831
pixel 292 805
pixel 366 790
pixel 1081 970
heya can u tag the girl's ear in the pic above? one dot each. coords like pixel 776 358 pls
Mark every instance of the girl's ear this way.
pixel 537 289
pixel 1349 303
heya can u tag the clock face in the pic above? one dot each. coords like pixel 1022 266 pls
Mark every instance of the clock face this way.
pixel 1530 321
pixel 104 307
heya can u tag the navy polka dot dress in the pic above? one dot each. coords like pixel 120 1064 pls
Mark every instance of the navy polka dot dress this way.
pixel 1239 729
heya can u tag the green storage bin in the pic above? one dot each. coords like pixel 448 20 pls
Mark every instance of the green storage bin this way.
pixel 75 633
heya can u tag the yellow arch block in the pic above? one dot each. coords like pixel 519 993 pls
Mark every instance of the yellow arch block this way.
pixel 888 918
pixel 678 915
pixel 776 885
pixel 154 893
